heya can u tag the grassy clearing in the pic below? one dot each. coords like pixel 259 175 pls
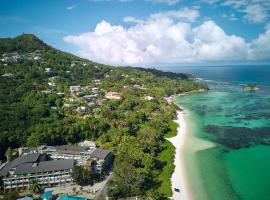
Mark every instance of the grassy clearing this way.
pixel 166 157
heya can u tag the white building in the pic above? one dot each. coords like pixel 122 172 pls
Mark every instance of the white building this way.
pixel 77 153
pixel 22 171
pixel 81 109
pixel 47 69
pixel 148 98
pixel 113 95
pixel 75 88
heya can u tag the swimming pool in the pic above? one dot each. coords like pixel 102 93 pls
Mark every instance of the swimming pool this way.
pixel 72 198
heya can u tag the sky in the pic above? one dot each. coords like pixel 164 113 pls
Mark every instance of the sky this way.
pixel 147 32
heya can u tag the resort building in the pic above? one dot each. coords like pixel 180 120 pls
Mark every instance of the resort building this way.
pixel 52 165
pixel 87 143
pixel 77 153
pixel 100 160
pixel 22 171
pixel 25 198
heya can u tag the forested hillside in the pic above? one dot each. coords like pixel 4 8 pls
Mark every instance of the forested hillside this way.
pixel 38 107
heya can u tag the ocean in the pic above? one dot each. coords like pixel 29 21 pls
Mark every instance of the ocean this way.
pixel 227 151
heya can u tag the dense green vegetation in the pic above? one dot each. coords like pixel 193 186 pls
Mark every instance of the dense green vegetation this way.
pixel 83 176
pixel 167 158
pixel 133 128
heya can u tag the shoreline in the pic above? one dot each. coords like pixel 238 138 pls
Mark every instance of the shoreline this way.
pixel 178 178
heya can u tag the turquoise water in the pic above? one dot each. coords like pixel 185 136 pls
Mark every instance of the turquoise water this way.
pixel 227 153
pixel 72 198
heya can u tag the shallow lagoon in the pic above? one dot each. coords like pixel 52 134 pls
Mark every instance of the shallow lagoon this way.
pixel 227 154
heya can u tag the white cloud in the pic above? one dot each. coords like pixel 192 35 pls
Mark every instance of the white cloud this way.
pixel 71 7
pixel 231 16
pixel 255 11
pixel 260 47
pixel 168 2
pixel 132 19
pixel 168 37
pixel 184 14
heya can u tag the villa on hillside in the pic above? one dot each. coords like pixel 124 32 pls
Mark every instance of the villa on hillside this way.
pixel 7 75
pixel 75 88
pixel 13 57
pixel 113 95
pixel 100 102
pixel 95 90
pixel 47 69
pixel 148 98
pixel 81 109
pixel 90 98
pixel 141 87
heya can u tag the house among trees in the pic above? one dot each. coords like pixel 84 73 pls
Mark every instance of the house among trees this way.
pixel 90 98
pixel 48 69
pixel 95 90
pixel 100 102
pixel 13 57
pixel 139 87
pixel 75 88
pixel 7 75
pixel 37 58
pixel 113 95
pixel 148 98
pixel 81 109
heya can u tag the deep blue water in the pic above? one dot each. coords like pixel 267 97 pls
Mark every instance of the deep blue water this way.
pixel 234 74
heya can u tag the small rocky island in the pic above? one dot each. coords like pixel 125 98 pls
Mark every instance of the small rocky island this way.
pixel 250 87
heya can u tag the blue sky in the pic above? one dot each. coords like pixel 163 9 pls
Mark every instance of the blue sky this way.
pixel 132 31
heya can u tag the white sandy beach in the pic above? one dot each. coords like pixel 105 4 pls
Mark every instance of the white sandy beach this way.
pixel 178 177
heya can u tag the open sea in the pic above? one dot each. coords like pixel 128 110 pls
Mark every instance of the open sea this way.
pixel 227 153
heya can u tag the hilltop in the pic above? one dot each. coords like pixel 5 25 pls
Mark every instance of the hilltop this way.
pixel 24 43
pixel 52 97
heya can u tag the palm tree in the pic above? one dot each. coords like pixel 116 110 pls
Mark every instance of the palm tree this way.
pixel 81 189
pixel 35 187
pixel 74 189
